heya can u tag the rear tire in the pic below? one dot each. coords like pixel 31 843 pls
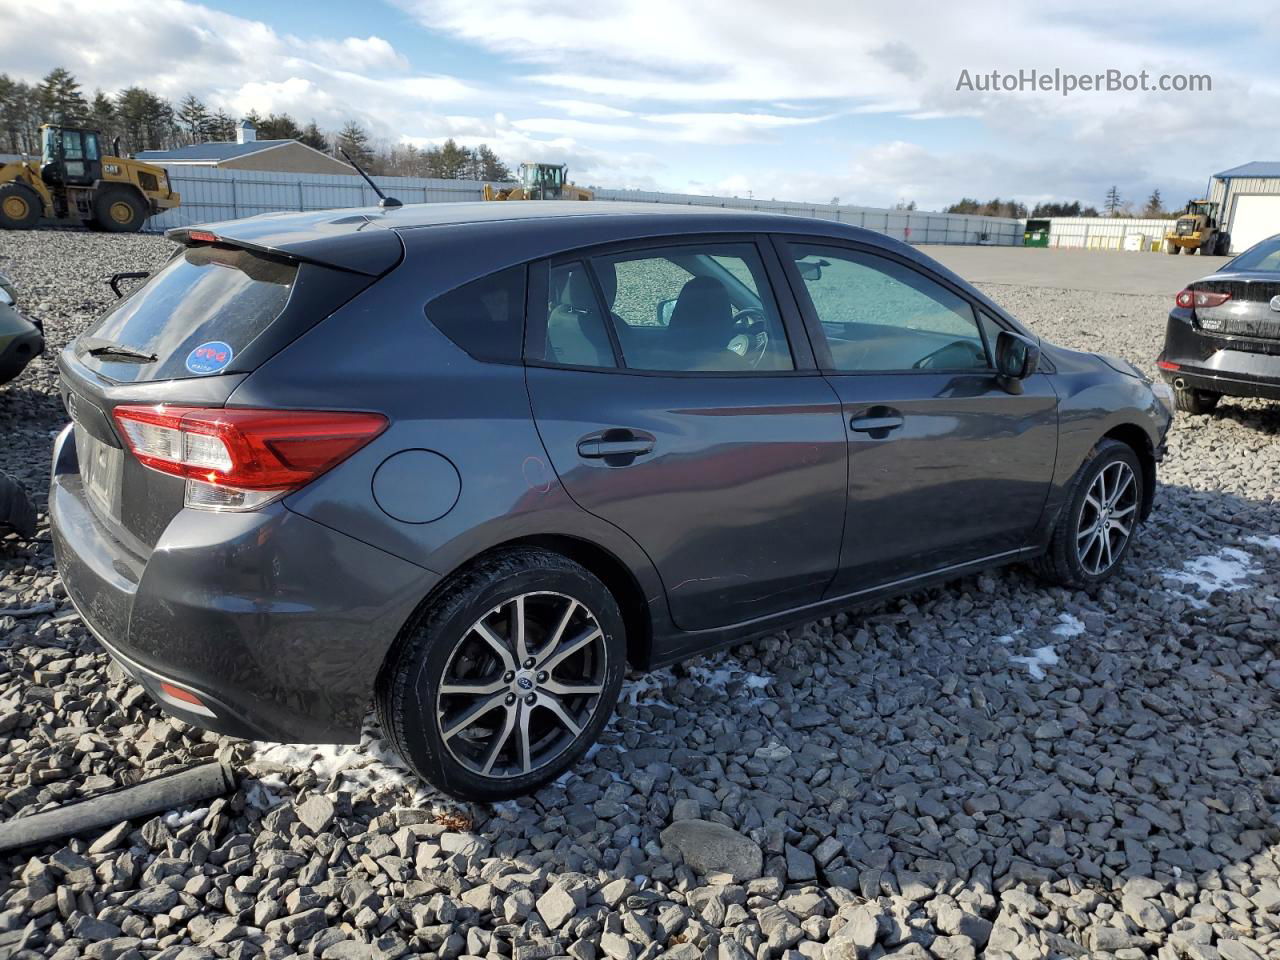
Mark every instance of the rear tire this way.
pixel 1171 248
pixel 1223 246
pixel 1195 402
pixel 119 210
pixel 1099 521
pixel 20 206
pixel 460 662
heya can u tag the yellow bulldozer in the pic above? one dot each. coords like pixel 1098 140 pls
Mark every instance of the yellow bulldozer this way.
pixel 76 183
pixel 1197 230
pixel 540 181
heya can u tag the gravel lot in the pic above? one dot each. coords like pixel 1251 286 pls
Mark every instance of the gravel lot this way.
pixel 992 768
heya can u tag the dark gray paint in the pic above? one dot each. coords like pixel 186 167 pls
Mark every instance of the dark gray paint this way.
pixel 758 505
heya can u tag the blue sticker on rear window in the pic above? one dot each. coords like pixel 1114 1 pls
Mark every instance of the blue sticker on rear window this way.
pixel 210 357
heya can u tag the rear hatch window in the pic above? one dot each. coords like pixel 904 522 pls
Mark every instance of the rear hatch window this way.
pixel 192 318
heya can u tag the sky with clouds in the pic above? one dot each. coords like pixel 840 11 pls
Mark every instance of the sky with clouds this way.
pixel 799 101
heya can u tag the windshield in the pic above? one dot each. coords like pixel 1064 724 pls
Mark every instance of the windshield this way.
pixel 204 307
pixel 1261 256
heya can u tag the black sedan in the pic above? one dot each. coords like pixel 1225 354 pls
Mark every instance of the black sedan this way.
pixel 1223 337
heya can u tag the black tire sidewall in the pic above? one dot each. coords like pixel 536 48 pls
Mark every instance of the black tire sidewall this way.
pixel 423 661
pixel 1107 454
pixel 102 210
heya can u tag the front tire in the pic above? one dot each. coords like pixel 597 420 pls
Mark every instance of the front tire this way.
pixel 507 676
pixel 1097 525
pixel 119 210
pixel 1195 402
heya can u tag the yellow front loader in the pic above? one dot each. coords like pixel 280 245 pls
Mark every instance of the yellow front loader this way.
pixel 75 183
pixel 540 181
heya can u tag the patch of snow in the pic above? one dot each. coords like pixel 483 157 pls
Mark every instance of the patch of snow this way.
pixel 1040 658
pixel 725 671
pixel 177 820
pixel 1006 640
pixel 647 686
pixel 1228 569
pixel 1271 543
pixel 1068 626
pixel 367 766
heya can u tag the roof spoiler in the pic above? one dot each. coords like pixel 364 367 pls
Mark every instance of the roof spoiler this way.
pixel 341 245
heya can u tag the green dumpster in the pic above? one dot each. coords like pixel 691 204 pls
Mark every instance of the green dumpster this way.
pixel 1036 234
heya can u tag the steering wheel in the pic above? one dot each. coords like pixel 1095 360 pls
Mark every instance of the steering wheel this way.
pixel 753 341
pixel 964 350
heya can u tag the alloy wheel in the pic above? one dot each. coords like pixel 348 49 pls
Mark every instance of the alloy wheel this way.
pixel 521 685
pixel 1106 517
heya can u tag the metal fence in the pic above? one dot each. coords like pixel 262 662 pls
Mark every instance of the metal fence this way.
pixel 913 226
pixel 1108 233
pixel 210 194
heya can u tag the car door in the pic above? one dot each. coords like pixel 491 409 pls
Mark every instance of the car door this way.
pixel 946 465
pixel 675 403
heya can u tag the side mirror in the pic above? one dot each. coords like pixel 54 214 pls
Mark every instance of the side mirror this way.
pixel 1016 358
pixel 664 311
pixel 811 269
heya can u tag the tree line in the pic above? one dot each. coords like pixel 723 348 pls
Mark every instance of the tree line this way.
pixel 1113 204
pixel 143 120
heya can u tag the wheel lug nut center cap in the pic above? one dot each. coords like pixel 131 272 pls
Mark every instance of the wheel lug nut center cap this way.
pixel 525 680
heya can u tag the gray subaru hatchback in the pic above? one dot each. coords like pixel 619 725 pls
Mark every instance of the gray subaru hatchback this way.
pixel 471 461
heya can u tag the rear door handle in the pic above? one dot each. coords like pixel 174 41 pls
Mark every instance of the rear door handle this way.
pixel 872 424
pixel 614 443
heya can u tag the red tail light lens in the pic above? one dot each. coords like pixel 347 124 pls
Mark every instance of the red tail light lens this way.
pixel 239 459
pixel 1200 299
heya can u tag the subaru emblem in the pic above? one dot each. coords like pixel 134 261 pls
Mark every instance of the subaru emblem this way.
pixel 525 683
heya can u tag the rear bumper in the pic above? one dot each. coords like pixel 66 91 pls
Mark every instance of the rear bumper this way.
pixel 1233 366
pixel 277 624
pixel 18 350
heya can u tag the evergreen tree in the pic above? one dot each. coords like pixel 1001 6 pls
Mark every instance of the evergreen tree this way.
pixel 355 141
pixel 315 138
pixel 1155 206
pixel 279 127
pixel 489 166
pixel 145 120
pixel 194 117
pixel 220 127
pixel 60 99
pixel 1113 203
pixel 102 117
pixel 19 116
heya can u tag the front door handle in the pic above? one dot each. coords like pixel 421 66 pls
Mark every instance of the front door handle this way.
pixel 879 422
pixel 615 443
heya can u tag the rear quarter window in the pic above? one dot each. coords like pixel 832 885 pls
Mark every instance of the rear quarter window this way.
pixel 204 294
pixel 485 317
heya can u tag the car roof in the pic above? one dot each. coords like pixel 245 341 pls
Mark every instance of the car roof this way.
pixel 364 239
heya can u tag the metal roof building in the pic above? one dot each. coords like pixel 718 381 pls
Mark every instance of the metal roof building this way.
pixel 247 152
pixel 1248 199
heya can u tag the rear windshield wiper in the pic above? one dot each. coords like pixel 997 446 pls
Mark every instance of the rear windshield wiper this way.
pixel 117 352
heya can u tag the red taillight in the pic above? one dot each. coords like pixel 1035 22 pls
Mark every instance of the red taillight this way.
pixel 1167 365
pixel 201 236
pixel 243 450
pixel 1200 299
pixel 186 696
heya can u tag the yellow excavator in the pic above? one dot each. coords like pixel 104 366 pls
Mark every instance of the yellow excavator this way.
pixel 76 183
pixel 540 181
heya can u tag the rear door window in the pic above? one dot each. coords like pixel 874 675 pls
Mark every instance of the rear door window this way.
pixel 202 309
